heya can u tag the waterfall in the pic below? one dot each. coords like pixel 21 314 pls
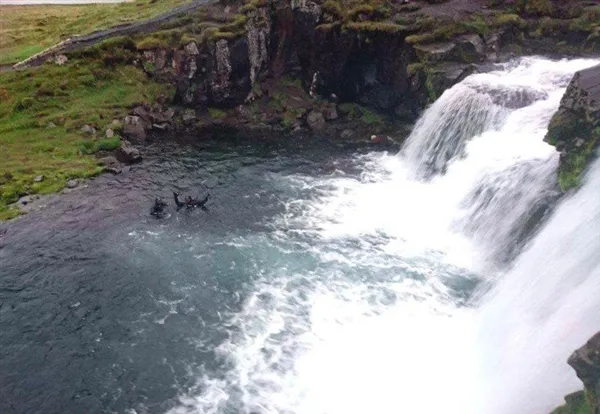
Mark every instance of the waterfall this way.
pixel 418 285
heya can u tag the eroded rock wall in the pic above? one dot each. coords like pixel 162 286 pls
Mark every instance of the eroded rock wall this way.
pixel 575 128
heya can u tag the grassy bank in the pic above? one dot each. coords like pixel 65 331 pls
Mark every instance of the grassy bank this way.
pixel 42 112
pixel 27 30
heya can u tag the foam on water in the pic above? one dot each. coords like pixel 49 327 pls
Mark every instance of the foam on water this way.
pixel 364 296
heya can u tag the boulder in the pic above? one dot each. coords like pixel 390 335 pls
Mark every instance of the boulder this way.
pixel 134 128
pixel 330 113
pixel 128 154
pixel 315 120
pixel 109 133
pixel 60 60
pixel 469 48
pixel 51 125
pixel 189 116
pixel 111 164
pixel 88 129
pixel 72 183
pixel 347 134
pixel 435 52
pixel 586 363
pixel 38 179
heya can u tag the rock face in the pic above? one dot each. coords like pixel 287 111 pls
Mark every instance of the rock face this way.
pixel 357 63
pixel 586 363
pixel 575 128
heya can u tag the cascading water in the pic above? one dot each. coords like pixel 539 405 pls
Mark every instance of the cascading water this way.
pixel 368 294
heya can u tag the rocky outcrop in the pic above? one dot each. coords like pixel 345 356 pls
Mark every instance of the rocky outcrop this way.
pixel 575 128
pixel 586 363
pixel 359 62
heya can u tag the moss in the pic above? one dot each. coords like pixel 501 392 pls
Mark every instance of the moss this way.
pixel 370 117
pixel 502 20
pixel 536 7
pixel 574 162
pixel 575 403
pixel 376 27
pixel 564 125
pixel 216 114
pixel 151 42
pixel 333 8
pixel 446 31
pixel 360 9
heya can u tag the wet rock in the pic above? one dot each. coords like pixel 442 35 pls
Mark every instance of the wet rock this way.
pixel 470 48
pixel 134 128
pixel 189 116
pixel 111 165
pixel 88 129
pixel 315 120
pixel 38 179
pixel 586 363
pixel 330 113
pixel 61 60
pixel 109 133
pixel 435 52
pixel 72 183
pixel 128 154
pixel 347 134
pixel 576 120
pixel 26 200
pixel 141 112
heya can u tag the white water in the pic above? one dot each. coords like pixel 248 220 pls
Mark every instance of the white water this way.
pixel 364 300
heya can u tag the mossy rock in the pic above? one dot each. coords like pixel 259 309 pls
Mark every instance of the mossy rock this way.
pixel 575 403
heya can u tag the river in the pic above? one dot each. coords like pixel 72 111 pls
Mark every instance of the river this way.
pixel 321 279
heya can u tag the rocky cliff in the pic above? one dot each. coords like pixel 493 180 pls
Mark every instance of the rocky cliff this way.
pixel 586 363
pixel 575 128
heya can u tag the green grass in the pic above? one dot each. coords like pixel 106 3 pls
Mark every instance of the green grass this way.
pixel 26 30
pixel 70 96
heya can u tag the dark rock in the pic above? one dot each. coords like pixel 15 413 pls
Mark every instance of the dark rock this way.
pixel 111 164
pixel 26 200
pixel 189 116
pixel 576 126
pixel 347 134
pixel 435 52
pixel 134 128
pixel 128 154
pixel 586 363
pixel 315 120
pixel 469 48
pixel 330 113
